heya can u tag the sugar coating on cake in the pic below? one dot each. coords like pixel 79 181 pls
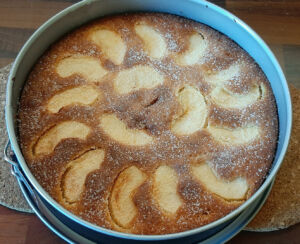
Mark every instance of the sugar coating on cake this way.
pixel 148 123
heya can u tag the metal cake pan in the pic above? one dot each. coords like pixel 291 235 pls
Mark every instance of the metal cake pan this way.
pixel 68 235
pixel 198 10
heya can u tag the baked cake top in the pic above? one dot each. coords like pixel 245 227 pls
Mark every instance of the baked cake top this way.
pixel 148 123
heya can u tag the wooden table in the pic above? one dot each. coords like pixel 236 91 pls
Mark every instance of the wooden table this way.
pixel 277 22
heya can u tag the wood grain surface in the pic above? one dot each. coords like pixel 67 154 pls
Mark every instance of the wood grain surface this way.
pixel 276 21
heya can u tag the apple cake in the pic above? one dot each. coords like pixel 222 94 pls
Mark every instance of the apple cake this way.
pixel 148 123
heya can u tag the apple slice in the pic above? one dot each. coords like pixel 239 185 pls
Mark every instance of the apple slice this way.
pixel 229 190
pixel 88 67
pixel 137 77
pixel 154 43
pixel 193 112
pixel 195 51
pixel 219 78
pixel 111 44
pixel 67 129
pixel 227 99
pixel 117 130
pixel 122 207
pixel 78 95
pixel 234 136
pixel 77 171
pixel 165 189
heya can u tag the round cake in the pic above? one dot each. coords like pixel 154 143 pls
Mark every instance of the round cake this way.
pixel 148 123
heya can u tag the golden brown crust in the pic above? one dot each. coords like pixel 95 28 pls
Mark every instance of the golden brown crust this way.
pixel 149 108
pixel 282 208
